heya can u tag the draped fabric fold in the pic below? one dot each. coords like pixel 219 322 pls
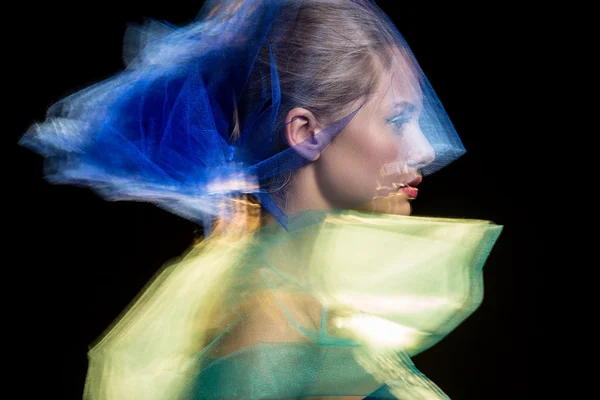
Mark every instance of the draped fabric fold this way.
pixel 334 307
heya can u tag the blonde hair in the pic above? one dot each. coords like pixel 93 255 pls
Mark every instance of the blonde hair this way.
pixel 327 60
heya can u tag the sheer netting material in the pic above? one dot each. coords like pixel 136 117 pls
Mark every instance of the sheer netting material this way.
pixel 196 118
pixel 318 303
pixel 335 306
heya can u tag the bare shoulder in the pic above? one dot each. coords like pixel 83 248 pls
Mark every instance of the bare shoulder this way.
pixel 267 317
pixel 273 317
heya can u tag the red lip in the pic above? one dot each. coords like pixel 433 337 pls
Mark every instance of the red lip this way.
pixel 410 191
pixel 415 182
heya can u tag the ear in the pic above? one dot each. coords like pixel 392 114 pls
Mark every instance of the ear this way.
pixel 301 133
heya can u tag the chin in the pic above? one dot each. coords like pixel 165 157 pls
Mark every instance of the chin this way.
pixel 396 204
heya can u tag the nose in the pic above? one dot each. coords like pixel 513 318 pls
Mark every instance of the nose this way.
pixel 419 152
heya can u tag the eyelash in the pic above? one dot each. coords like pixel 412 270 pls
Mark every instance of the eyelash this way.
pixel 399 121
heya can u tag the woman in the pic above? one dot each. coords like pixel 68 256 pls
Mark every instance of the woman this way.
pixel 296 133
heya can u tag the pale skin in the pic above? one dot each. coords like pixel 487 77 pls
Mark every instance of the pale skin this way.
pixel 358 170
pixel 347 174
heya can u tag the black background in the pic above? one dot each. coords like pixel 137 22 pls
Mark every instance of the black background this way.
pixel 79 260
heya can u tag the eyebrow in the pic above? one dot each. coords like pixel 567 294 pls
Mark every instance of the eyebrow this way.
pixel 407 105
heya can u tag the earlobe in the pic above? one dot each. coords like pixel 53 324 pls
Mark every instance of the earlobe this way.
pixel 301 133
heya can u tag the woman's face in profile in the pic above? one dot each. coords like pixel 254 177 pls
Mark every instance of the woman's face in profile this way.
pixel 370 165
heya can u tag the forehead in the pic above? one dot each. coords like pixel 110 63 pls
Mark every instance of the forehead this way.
pixel 399 83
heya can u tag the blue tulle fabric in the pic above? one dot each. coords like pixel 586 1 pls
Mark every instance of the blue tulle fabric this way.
pixel 182 127
pixel 161 131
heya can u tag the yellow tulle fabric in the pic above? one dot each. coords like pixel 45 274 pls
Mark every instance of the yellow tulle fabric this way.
pixel 276 313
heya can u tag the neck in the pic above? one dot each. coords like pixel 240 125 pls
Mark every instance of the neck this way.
pixel 303 192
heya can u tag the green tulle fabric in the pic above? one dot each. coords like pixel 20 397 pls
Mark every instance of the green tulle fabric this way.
pixel 334 306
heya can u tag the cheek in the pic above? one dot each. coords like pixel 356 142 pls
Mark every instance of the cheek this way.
pixel 378 147
pixel 380 150
pixel 386 148
pixel 351 168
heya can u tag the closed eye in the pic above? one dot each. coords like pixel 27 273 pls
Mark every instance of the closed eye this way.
pixel 400 120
